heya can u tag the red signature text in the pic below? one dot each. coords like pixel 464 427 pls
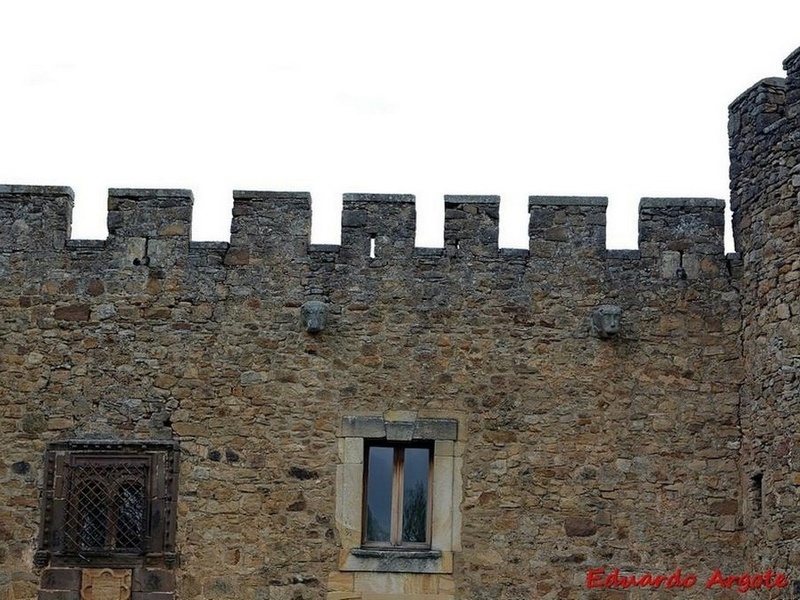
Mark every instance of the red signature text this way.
pixel 677 580
pixel 745 582
pixel 597 578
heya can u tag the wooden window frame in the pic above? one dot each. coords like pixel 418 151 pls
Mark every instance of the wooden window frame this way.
pixel 395 537
pixel 64 462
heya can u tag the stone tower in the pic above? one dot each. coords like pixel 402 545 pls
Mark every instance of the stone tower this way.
pixel 765 180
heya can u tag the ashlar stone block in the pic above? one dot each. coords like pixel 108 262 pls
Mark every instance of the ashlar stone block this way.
pixel 351 450
pixel 670 263
pixel 348 503
pixel 106 584
pixel 442 518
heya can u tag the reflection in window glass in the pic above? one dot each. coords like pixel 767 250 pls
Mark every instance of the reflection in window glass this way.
pixel 415 494
pixel 396 496
pixel 379 494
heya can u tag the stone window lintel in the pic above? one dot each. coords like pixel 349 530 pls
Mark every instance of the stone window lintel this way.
pixel 372 427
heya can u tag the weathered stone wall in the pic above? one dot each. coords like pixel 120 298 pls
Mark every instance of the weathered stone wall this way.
pixel 668 445
pixel 765 181
pixel 573 452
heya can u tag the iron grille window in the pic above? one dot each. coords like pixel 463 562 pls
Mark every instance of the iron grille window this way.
pixel 109 503
pixel 106 505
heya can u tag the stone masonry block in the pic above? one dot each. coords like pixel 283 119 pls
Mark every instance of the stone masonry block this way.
pixel 61 579
pixel 400 415
pixel 670 263
pixel 59 595
pixel 371 596
pixel 444 448
pixel 349 489
pixel 365 427
pixel 340 582
pixel 458 494
pixel 153 580
pixel 102 583
pixel 399 431
pixel 351 450
pixel 436 429
pixel 442 517
pixel 385 583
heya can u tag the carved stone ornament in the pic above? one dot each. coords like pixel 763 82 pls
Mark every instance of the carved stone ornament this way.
pixel 314 314
pixel 106 584
pixel 605 320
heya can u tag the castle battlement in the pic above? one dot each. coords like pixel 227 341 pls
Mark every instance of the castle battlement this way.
pixel 153 227
pixel 556 412
pixel 770 99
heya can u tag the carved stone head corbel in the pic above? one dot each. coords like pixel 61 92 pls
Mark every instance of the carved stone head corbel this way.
pixel 605 320
pixel 313 315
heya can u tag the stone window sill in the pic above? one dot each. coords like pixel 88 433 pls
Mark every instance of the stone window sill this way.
pixel 390 560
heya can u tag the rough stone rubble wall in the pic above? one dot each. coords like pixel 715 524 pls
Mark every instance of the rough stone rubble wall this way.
pixel 579 452
pixel 765 187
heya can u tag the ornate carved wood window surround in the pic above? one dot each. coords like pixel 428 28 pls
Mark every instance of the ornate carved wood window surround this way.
pixel 109 503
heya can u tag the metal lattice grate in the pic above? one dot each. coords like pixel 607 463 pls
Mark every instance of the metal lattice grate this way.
pixel 107 507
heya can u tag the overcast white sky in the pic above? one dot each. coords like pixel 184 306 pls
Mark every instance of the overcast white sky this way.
pixel 606 98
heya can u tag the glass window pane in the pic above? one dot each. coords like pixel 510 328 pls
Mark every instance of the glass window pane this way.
pixel 379 494
pixel 415 494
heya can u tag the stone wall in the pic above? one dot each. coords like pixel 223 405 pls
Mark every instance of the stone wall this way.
pixel 574 451
pixel 556 450
pixel 765 181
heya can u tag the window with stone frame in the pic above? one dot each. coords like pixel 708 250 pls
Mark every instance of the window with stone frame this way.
pixel 398 492
pixel 397 498
pixel 109 503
